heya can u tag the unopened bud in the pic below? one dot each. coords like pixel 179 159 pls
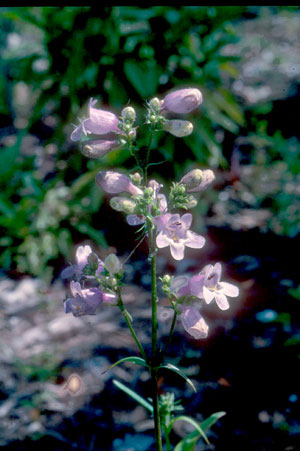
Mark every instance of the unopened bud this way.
pixel 178 127
pixel 197 180
pixel 112 264
pixel 167 280
pixel 155 104
pixel 128 114
pixel 136 178
pixel 93 261
pixel 123 204
pixel 182 101
pixel 148 192
pixel 192 202
pixel 192 179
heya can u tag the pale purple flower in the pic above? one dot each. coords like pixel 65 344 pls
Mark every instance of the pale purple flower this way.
pixel 182 101
pixel 82 254
pixel 115 183
pixel 178 127
pixel 213 288
pixel 194 323
pixel 96 148
pixel 99 122
pixel 174 232
pixel 85 301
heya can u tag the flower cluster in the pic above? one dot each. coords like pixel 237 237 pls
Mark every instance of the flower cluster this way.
pixel 147 207
pixel 89 268
pixel 205 285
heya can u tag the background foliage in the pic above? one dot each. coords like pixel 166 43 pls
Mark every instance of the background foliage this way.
pixel 52 60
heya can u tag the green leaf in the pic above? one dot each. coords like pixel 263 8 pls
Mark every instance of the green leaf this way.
pixel 134 395
pixel 143 76
pixel 133 359
pixel 194 423
pixel 188 443
pixel 176 370
pixel 207 424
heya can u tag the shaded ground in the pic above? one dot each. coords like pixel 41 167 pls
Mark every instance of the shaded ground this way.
pixel 244 368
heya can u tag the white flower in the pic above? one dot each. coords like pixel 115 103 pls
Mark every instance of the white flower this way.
pixel 214 289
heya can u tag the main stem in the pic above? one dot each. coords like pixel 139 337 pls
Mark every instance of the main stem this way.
pixel 125 314
pixel 153 371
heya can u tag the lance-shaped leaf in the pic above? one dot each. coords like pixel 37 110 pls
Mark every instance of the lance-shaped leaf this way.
pixel 134 395
pixel 188 443
pixel 176 370
pixel 133 359
pixel 199 429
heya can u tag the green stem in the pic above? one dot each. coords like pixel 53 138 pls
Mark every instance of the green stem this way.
pixel 163 355
pixel 167 438
pixel 126 316
pixel 156 416
pixel 151 134
pixel 153 372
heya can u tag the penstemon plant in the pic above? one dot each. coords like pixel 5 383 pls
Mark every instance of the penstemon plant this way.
pixel 158 222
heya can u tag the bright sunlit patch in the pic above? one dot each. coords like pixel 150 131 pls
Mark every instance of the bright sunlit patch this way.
pixel 74 384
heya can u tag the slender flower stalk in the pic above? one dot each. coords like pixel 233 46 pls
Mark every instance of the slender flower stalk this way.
pixel 128 321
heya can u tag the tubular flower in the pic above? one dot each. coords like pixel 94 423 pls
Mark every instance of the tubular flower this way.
pixel 194 323
pixel 174 232
pixel 115 183
pixel 96 148
pixel 99 122
pixel 214 289
pixel 178 128
pixel 82 255
pixel 182 101
pixel 197 180
pixel 85 302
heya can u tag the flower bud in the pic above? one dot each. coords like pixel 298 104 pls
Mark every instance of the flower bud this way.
pixel 191 203
pixel 128 114
pixel 136 178
pixel 192 179
pixel 178 128
pixel 93 261
pixel 167 279
pixel 148 192
pixel 112 264
pixel 98 147
pixel 123 204
pixel 195 182
pixel 115 183
pixel 155 105
pixel 182 101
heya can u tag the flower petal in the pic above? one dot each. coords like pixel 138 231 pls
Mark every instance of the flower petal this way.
pixel 76 289
pixel 186 220
pixel 76 134
pixel 162 240
pixel 194 323
pixel 134 220
pixel 218 271
pixel 208 294
pixel 229 289
pixel 221 301
pixel 196 285
pixel 177 250
pixel 82 254
pixel 68 272
pixel 193 240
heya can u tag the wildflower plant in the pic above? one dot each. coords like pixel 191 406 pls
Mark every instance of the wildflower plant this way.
pixel 157 217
